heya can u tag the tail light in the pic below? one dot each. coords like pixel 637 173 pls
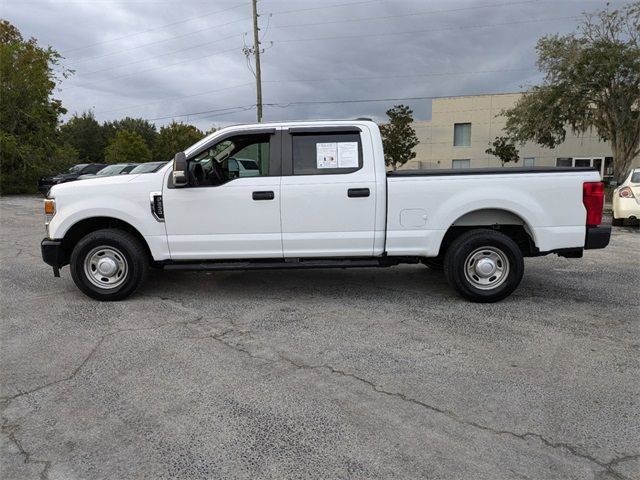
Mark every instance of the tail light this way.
pixel 593 199
pixel 625 192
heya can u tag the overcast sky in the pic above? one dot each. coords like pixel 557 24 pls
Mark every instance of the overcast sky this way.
pixel 163 60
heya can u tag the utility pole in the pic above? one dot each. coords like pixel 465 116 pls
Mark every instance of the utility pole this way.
pixel 256 52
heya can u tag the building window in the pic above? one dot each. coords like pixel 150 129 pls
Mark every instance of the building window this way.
pixel 529 162
pixel 461 134
pixel 461 163
pixel 582 162
pixel 564 162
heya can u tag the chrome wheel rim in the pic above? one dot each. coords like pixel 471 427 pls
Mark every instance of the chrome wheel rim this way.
pixel 486 268
pixel 106 267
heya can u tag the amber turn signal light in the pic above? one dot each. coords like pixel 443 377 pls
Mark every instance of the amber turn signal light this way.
pixel 49 206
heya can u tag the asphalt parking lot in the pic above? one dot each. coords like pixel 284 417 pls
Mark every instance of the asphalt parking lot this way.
pixel 327 374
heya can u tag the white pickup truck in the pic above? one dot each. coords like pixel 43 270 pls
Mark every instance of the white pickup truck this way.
pixel 323 198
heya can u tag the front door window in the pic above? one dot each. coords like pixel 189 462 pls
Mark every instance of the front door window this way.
pixel 232 158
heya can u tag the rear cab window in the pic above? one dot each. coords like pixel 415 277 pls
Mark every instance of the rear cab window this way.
pixel 326 153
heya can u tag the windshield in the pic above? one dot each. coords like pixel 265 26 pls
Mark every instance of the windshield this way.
pixel 147 168
pixel 110 170
pixel 635 178
pixel 77 168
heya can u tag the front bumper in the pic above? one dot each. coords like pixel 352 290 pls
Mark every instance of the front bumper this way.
pixel 53 254
pixel 597 237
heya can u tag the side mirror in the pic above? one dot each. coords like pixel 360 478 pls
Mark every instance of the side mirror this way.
pixel 180 178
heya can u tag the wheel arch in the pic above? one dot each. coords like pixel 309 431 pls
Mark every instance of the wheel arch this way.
pixel 511 223
pixel 87 225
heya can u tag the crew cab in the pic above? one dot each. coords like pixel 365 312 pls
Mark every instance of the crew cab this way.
pixel 323 198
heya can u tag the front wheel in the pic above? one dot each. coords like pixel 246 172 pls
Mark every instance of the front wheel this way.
pixel 108 264
pixel 484 265
pixel 617 222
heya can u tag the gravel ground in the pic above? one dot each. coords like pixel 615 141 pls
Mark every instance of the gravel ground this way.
pixel 322 374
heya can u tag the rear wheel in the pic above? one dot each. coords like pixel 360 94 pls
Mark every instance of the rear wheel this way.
pixel 484 265
pixel 617 222
pixel 108 264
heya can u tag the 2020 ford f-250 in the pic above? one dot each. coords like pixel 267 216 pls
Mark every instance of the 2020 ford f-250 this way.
pixel 323 198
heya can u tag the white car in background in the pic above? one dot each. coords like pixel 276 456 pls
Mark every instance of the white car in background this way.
pixel 244 167
pixel 626 199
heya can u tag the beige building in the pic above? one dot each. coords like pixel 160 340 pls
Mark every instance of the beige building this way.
pixel 461 129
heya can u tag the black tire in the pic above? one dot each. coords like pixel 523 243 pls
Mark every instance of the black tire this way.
pixel 120 250
pixel 434 263
pixel 617 222
pixel 493 249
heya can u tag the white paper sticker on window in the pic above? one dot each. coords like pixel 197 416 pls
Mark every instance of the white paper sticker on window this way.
pixel 348 155
pixel 327 155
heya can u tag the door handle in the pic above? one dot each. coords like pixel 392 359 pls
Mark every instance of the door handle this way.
pixel 266 195
pixel 357 192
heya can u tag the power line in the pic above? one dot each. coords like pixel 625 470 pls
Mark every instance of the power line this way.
pixel 84 47
pixel 242 108
pixel 175 98
pixel 298 40
pixel 283 12
pixel 411 32
pixel 410 75
pixel 192 114
pixel 313 80
pixel 386 17
pixel 165 66
pixel 108 69
pixel 86 59
pixel 337 102
pixel 156 28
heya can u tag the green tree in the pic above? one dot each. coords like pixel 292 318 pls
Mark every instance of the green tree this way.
pixel 504 149
pixel 398 136
pixel 142 127
pixel 86 135
pixel 127 147
pixel 174 138
pixel 29 140
pixel 592 83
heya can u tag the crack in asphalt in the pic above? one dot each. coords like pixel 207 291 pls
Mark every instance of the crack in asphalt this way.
pixel 10 430
pixel 608 467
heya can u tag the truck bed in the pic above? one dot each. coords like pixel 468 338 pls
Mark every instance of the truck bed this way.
pixel 485 171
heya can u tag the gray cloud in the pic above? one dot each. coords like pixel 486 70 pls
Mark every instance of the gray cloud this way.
pixel 157 59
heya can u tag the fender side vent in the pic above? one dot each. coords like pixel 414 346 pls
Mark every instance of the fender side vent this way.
pixel 157 208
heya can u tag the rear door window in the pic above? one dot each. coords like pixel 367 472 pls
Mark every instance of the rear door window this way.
pixel 326 153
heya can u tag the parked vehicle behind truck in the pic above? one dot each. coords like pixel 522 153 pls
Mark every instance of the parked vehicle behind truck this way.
pixel 322 199
pixel 626 199
pixel 110 170
pixel 45 183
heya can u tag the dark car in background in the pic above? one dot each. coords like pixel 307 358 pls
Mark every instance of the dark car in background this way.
pixel 110 170
pixel 147 167
pixel 45 183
